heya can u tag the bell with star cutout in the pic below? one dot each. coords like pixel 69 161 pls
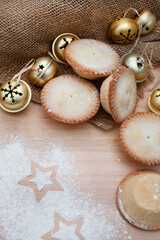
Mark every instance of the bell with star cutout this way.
pixel 138 64
pixel 59 45
pixel 147 19
pixel 123 30
pixel 154 101
pixel 15 97
pixel 43 70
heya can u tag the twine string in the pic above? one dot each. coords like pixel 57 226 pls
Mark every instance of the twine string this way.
pixel 130 9
pixel 51 55
pixel 56 60
pixel 150 74
pixel 27 67
pixel 23 70
pixel 157 29
pixel 140 26
pixel 151 55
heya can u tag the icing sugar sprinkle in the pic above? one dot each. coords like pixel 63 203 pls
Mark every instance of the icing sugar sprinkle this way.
pixel 155 197
pixel 22 217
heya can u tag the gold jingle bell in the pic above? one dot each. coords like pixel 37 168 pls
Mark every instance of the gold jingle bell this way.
pixel 59 45
pixel 154 101
pixel 123 30
pixel 147 19
pixel 15 98
pixel 42 71
pixel 138 64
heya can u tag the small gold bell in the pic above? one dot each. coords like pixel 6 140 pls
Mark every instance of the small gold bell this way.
pixel 154 101
pixel 15 98
pixel 148 20
pixel 123 30
pixel 59 45
pixel 42 71
pixel 137 64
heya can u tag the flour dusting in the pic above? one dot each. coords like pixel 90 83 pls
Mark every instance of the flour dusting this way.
pixel 22 217
pixel 42 179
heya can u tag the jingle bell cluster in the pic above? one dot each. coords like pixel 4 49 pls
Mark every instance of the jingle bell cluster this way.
pixel 45 68
pixel 16 95
pixel 124 30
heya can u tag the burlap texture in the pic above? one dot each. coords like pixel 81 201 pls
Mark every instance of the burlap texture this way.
pixel 28 28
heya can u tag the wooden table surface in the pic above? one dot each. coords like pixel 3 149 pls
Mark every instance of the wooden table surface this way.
pixel 97 152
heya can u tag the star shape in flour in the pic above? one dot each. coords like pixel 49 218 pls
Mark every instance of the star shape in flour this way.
pixel 65 229
pixel 41 180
